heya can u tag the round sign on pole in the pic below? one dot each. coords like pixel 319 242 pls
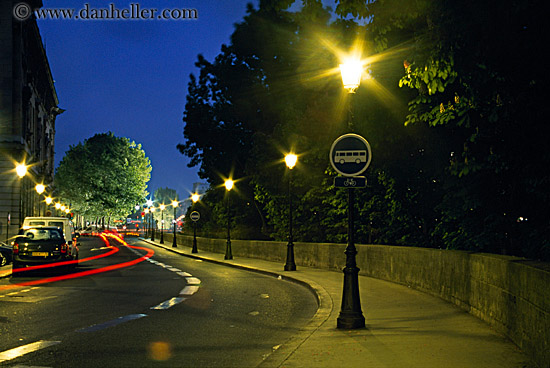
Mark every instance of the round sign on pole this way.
pixel 350 155
pixel 195 216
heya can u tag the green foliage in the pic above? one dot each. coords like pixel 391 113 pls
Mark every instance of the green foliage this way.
pixel 455 119
pixel 104 176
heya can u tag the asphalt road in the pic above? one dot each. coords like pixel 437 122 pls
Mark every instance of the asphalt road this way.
pixel 123 310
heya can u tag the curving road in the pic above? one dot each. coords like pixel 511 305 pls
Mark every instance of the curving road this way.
pixel 127 307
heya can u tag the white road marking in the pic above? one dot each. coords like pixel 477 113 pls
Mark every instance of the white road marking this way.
pixel 169 303
pixel 102 248
pixel 193 281
pixel 189 290
pixel 193 285
pixel 111 323
pixel 25 349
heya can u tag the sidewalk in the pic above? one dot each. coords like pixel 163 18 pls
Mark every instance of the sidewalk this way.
pixel 404 327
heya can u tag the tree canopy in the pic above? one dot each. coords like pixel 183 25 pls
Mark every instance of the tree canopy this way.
pixel 103 176
pixel 452 108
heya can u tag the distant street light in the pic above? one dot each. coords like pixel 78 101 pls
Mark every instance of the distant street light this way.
pixel 57 208
pixel 228 253
pixel 162 208
pixel 195 198
pixel 175 205
pixel 290 265
pixel 351 315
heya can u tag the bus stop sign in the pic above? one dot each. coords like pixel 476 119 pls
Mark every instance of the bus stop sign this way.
pixel 195 216
pixel 350 155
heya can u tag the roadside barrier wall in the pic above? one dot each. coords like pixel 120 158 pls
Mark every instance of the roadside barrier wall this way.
pixel 511 294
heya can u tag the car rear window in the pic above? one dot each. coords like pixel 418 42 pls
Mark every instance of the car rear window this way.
pixel 56 223
pixel 41 234
pixel 37 223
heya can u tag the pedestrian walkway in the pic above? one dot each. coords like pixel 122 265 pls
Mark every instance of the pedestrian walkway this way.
pixel 404 327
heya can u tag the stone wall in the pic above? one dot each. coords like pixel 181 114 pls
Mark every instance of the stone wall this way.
pixel 511 294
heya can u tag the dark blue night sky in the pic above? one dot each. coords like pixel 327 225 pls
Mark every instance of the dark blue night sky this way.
pixel 130 76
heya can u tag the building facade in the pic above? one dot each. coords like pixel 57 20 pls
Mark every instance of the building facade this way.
pixel 28 109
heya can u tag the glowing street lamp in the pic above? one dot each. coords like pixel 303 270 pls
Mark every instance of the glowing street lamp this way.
pixel 290 160
pixel 351 71
pixel 175 205
pixel 21 170
pixel 57 208
pixel 162 208
pixel 40 188
pixel 228 253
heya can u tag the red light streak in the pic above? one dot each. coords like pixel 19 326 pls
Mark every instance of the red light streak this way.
pixel 65 263
pixel 149 254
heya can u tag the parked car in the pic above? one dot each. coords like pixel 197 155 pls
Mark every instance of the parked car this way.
pixel 66 226
pixel 5 254
pixel 38 245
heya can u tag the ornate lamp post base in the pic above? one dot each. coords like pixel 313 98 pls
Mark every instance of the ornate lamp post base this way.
pixel 228 253
pixel 290 265
pixel 351 316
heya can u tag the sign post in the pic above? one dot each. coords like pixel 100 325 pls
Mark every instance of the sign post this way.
pixel 195 216
pixel 350 155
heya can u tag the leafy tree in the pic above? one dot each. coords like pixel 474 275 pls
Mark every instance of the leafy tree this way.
pixel 457 131
pixel 104 176
pixel 476 74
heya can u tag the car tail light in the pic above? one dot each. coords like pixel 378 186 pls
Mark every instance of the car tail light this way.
pixel 64 248
pixel 15 248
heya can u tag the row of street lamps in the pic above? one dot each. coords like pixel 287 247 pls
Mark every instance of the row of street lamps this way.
pixel 162 207
pixel 22 170
pixel 351 316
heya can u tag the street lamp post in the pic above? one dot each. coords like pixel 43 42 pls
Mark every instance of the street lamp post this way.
pixel 49 201
pixel 40 188
pixel 21 171
pixel 146 211
pixel 228 252
pixel 175 205
pixel 351 316
pixel 195 198
pixel 290 265
pixel 162 208
pixel 152 224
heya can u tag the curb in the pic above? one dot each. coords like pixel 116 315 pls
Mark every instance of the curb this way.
pixel 325 306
